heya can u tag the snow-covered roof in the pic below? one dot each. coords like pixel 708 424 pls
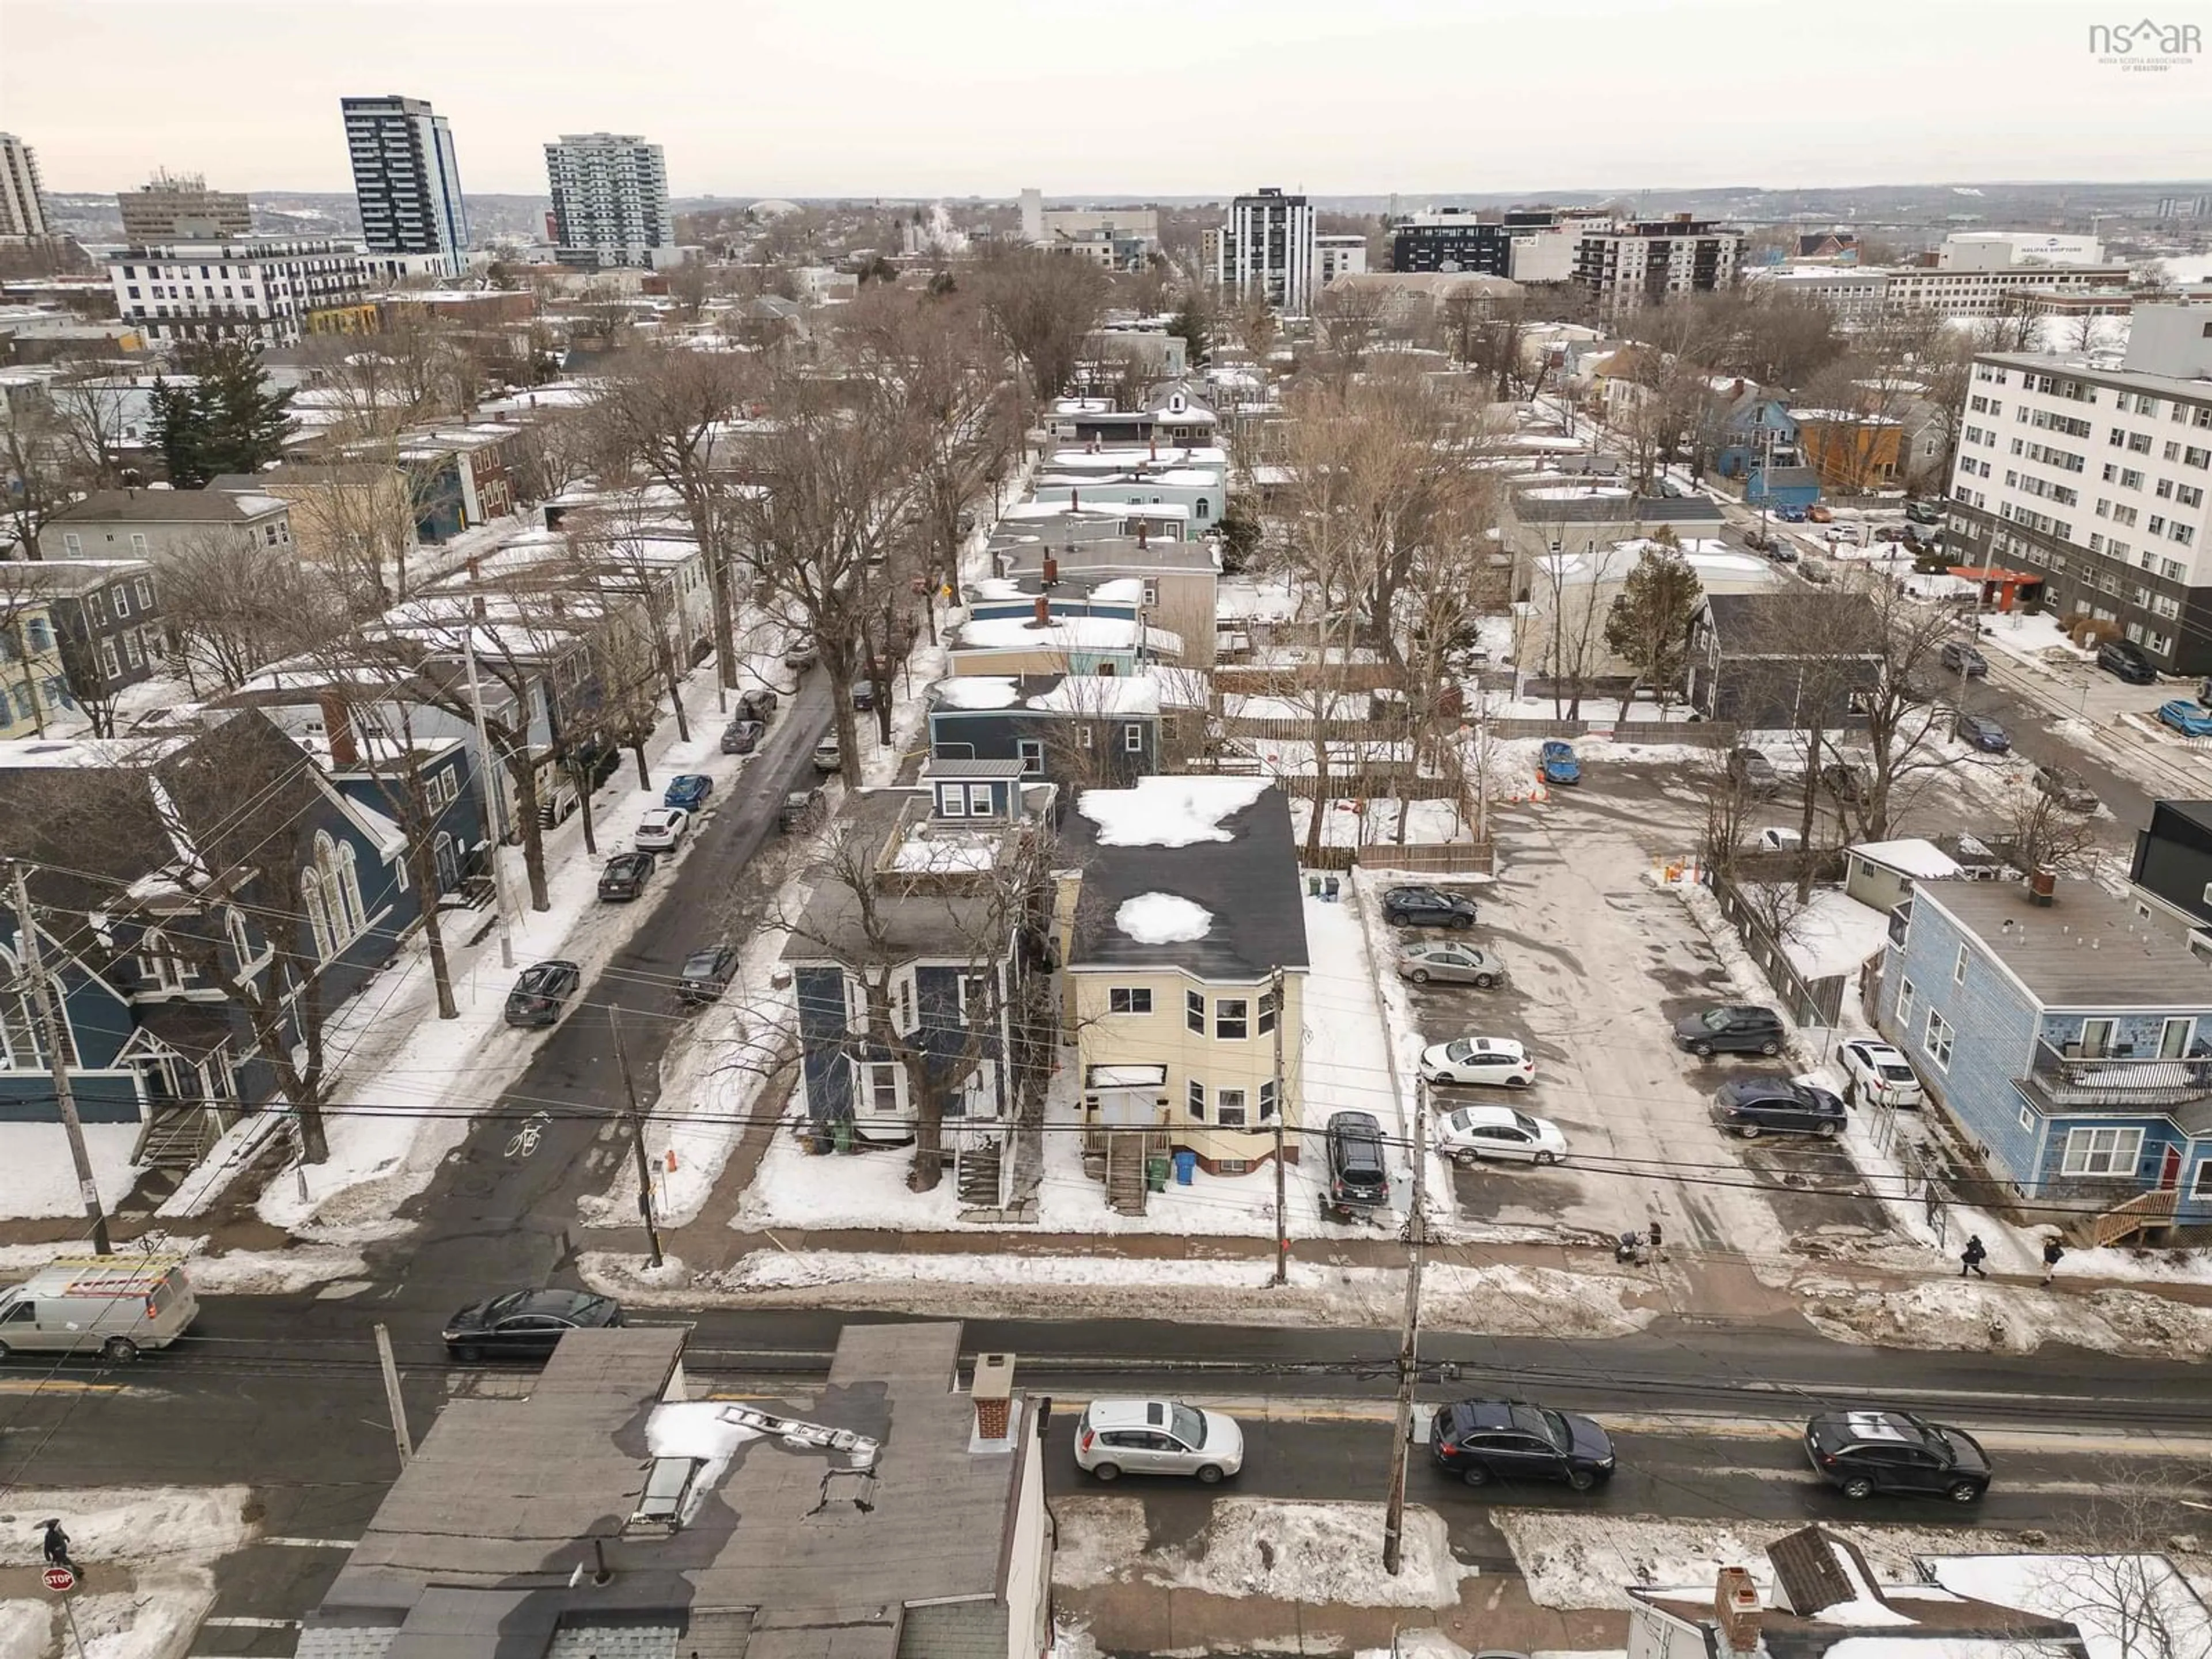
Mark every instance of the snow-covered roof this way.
pixel 1167 812
pixel 1911 856
pixel 1101 695
pixel 1162 919
pixel 977 691
pixel 2117 1601
pixel 1065 634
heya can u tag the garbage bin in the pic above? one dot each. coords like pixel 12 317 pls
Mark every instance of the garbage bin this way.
pixel 1156 1174
pixel 1186 1166
pixel 1313 886
pixel 840 1134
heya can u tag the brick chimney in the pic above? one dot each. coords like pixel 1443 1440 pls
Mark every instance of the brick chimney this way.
pixel 1043 612
pixel 1051 570
pixel 992 1388
pixel 1144 526
pixel 338 729
pixel 1736 1610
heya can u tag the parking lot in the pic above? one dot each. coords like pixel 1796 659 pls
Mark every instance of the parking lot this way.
pixel 1601 962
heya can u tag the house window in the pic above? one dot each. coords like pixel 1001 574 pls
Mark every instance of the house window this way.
pixel 161 966
pixel 1083 736
pixel 95 610
pixel 1958 968
pixel 1936 1038
pixel 72 543
pixel 2102 1152
pixel 1268 1101
pixel 879 1089
pixel 130 650
pixel 2202 1186
pixel 138 541
pixel 979 800
pixel 952 801
pixel 975 996
pixel 902 1002
pixel 2027 1119
pixel 121 603
pixel 1229 1109
pixel 1267 1013
pixel 1152 595
pixel 1230 1021
pixel 1129 1000
pixel 1194 1012
pixel 108 658
pixel 1196 1101
pixel 1032 753
pixel 145 594
pixel 241 940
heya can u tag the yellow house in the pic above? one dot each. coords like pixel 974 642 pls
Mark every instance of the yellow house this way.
pixel 1183 944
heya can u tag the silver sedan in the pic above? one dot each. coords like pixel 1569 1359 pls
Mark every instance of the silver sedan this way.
pixel 1454 964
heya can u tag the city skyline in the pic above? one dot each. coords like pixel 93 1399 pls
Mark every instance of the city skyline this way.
pixel 775 102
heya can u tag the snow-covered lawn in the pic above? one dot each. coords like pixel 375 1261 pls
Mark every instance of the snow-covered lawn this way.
pixel 1281 1549
pixel 40 1179
pixel 166 1538
pixel 1375 823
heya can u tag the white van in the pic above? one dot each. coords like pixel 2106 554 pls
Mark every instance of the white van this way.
pixel 115 1305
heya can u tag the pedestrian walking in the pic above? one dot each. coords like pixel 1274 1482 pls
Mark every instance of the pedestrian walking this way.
pixel 1658 1242
pixel 56 1545
pixel 2053 1253
pixel 1971 1258
pixel 1043 1413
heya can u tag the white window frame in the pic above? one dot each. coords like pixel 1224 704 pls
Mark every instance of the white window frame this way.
pixel 1242 1016
pixel 1222 1106
pixel 1907 994
pixel 864 1075
pixel 2200 1185
pixel 1031 750
pixel 1193 1012
pixel 1268 1101
pixel 2083 1154
pixel 905 1003
pixel 1937 1039
pixel 952 800
pixel 1083 736
pixel 979 800
pixel 1129 995
pixel 1958 968
pixel 1133 737
pixel 1193 1100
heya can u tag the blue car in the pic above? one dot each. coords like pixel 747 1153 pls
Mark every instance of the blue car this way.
pixel 2186 718
pixel 689 792
pixel 1791 514
pixel 1558 764
pixel 1983 732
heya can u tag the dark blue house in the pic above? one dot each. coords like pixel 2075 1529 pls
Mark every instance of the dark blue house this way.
pixel 1754 430
pixel 208 897
pixel 1088 731
pixel 2069 1039
pixel 919 965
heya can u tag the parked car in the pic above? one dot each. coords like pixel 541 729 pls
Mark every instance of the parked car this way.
pixel 1924 512
pixel 1848 533
pixel 688 791
pixel 1427 906
pixel 1983 731
pixel 1779 550
pixel 1456 964
pixel 1780 838
pixel 1791 514
pixel 1878 1075
pixel 1359 1174
pixel 794 808
pixel 802 653
pixel 1485 1440
pixel 829 757
pixel 1758 544
pixel 741 736
pixel 1468 1134
pixel 1891 532
pixel 625 877
pixel 1750 770
pixel 1820 514
pixel 661 829
pixel 759 704
pixel 1846 780
pixel 864 696
pixel 1863 1452
pixel 541 992
pixel 526 1324
pixel 2063 786
pixel 2191 720
pixel 706 974
pixel 1754 1106
pixel 1115 1437
pixel 1556 762
pixel 1732 1028
pixel 1959 658
pixel 1478 1059
pixel 2127 661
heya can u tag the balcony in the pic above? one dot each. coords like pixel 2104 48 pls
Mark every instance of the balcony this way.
pixel 2058 1081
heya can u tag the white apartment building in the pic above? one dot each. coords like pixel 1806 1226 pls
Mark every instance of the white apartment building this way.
pixel 2098 479
pixel 22 198
pixel 1267 249
pixel 407 178
pixel 1339 256
pixel 268 290
pixel 1857 297
pixel 1631 264
pixel 610 201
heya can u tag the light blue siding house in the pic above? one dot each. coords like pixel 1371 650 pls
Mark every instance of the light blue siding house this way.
pixel 2070 1041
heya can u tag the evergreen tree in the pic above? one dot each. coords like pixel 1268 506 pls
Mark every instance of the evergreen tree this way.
pixel 246 418
pixel 1648 625
pixel 1192 326
pixel 180 433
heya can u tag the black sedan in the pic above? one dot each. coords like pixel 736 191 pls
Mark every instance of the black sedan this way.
pixel 1485 1440
pixel 526 1324
pixel 742 736
pixel 706 975
pixel 1427 906
pixel 1754 1106
pixel 542 992
pixel 1861 1452
pixel 625 877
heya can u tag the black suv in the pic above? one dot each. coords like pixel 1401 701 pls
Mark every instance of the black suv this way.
pixel 1358 1177
pixel 742 736
pixel 625 876
pixel 1863 1452
pixel 2125 658
pixel 1754 1106
pixel 1959 658
pixel 756 706
pixel 1485 1440
pixel 706 975
pixel 539 995
pixel 1731 1029
pixel 1427 906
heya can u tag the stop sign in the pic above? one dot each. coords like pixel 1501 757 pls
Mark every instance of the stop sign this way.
pixel 59 1579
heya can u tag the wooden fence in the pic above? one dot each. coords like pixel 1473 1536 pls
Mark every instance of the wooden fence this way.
pixel 1250 681
pixel 1715 734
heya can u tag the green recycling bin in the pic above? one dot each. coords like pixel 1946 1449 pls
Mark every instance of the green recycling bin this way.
pixel 841 1133
pixel 1156 1174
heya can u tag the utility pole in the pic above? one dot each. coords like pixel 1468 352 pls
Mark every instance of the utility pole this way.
pixel 637 1143
pixel 50 1036
pixel 1282 1106
pixel 392 1396
pixel 495 796
pixel 1409 1343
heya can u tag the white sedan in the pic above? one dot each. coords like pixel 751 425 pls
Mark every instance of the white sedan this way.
pixel 1472 1134
pixel 1879 1076
pixel 660 830
pixel 1478 1059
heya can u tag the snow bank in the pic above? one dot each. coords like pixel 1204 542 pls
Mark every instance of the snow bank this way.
pixel 1952 1313
pixel 1286 1551
pixel 113 1523
pixel 1162 919
pixel 41 1180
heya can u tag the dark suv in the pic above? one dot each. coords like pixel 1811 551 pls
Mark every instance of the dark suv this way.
pixel 1754 1106
pixel 1427 906
pixel 1358 1175
pixel 2126 659
pixel 1751 770
pixel 1485 1440
pixel 1861 1452
pixel 758 705
pixel 542 992
pixel 1731 1029
pixel 625 876
pixel 1959 658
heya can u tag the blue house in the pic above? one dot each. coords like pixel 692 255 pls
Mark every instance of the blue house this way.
pixel 2069 1039
pixel 197 947
pixel 919 965
pixel 1754 430
pixel 1076 731
pixel 1781 486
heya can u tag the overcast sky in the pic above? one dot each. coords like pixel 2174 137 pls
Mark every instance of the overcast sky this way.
pixel 1178 97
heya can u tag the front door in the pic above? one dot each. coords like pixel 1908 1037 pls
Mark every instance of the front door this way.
pixel 2169 1170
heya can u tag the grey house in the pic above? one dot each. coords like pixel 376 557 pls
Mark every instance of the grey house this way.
pixel 1075 730
pixel 107 619
pixel 159 524
pixel 1781 660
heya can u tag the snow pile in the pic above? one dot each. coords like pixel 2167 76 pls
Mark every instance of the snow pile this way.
pixel 166 1538
pixel 41 1180
pixel 1167 812
pixel 1280 1549
pixel 1162 919
pixel 975 691
pixel 697 1429
pixel 1951 1313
